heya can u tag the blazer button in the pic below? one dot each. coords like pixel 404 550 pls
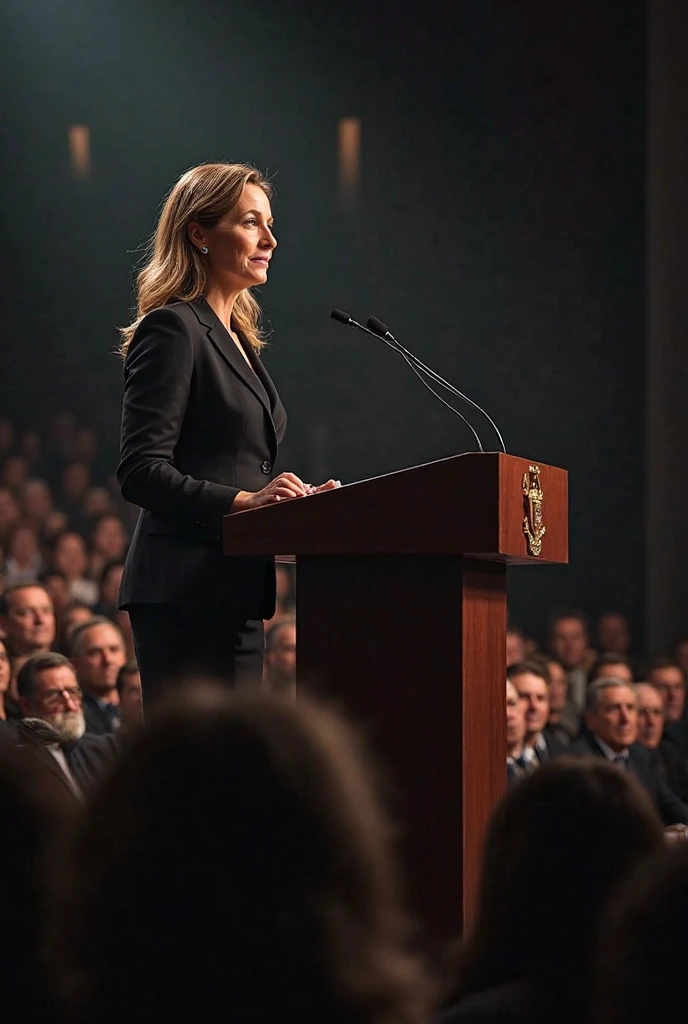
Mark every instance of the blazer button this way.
pixel 266 467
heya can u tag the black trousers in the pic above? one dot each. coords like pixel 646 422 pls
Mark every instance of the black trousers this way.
pixel 174 642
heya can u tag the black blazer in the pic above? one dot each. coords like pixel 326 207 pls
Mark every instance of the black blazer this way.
pixel 198 426
pixel 645 766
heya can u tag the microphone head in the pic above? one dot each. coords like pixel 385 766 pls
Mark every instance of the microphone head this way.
pixel 340 316
pixel 377 325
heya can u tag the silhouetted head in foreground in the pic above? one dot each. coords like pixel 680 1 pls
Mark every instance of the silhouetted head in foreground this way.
pixel 643 960
pixel 557 845
pixel 238 865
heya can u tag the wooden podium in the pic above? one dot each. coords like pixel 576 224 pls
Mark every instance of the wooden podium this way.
pixel 401 611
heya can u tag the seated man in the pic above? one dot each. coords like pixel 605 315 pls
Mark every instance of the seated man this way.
pixel 667 676
pixel 520 760
pixel 53 726
pixel 27 619
pixel 651 717
pixel 564 722
pixel 532 683
pixel 97 653
pixel 611 717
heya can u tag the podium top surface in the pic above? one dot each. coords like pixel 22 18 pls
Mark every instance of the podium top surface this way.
pixel 482 505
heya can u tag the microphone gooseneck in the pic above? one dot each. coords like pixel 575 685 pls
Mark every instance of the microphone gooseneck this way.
pixel 342 317
pixel 382 331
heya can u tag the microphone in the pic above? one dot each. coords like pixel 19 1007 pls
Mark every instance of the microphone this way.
pixel 383 332
pixel 343 318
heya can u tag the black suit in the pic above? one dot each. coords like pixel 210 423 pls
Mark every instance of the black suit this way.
pixel 198 426
pixel 86 758
pixel 99 721
pixel 645 766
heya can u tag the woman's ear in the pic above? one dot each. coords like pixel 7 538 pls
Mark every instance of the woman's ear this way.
pixel 196 234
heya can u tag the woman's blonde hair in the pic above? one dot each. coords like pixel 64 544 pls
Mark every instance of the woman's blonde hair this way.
pixel 176 271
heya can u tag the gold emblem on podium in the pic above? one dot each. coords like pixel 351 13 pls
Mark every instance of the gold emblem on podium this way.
pixel 533 526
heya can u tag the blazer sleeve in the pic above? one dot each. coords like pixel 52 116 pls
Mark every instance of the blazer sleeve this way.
pixel 157 382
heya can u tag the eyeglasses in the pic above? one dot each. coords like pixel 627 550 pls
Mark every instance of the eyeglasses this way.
pixel 53 698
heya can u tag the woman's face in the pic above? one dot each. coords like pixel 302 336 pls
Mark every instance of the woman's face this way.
pixel 5 669
pixel 241 243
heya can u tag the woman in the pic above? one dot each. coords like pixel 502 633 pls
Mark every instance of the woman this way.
pixel 238 865
pixel 557 846
pixel 201 426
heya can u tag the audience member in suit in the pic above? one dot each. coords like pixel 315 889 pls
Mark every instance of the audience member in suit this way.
pixel 564 722
pixel 130 702
pixel 531 680
pixel 34 815
pixel 666 675
pixel 643 956
pixel 557 845
pixel 201 427
pixel 520 760
pixel 27 619
pixel 651 735
pixel 611 718
pixel 53 727
pixel 258 876
pixel 97 653
pixel 569 642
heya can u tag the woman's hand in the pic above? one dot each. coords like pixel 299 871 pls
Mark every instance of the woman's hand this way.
pixel 329 486
pixel 283 487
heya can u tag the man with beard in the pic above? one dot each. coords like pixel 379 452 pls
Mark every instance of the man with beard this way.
pixel 53 726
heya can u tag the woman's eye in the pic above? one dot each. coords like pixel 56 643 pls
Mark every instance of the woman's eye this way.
pixel 251 222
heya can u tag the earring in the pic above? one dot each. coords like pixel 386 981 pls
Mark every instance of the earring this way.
pixel 204 249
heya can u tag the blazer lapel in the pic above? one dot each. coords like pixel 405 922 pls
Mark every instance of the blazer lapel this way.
pixel 226 346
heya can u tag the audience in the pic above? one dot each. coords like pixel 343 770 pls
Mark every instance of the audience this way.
pixel 238 865
pixel 667 676
pixel 557 846
pixel 280 656
pixel 569 643
pixel 564 720
pixel 532 684
pixel 52 730
pixel 70 558
pixel 611 719
pixel 515 646
pixel 63 538
pixel 520 760
pixel 97 653
pixel 27 621
pixel 651 735
pixel 613 633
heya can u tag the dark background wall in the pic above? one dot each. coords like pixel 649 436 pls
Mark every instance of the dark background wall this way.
pixel 499 227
